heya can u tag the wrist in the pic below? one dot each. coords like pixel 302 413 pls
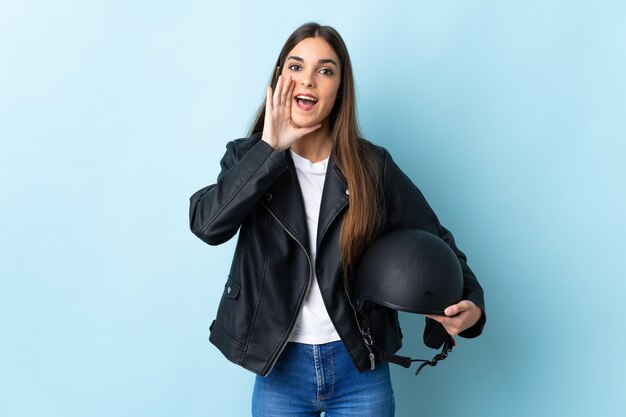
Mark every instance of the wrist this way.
pixel 272 143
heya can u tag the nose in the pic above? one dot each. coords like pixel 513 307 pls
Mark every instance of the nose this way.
pixel 306 79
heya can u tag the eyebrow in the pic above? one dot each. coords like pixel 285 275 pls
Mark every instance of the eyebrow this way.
pixel 321 61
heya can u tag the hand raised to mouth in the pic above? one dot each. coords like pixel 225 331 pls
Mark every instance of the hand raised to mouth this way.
pixel 278 130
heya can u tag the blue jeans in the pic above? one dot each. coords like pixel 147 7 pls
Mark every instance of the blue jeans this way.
pixel 309 379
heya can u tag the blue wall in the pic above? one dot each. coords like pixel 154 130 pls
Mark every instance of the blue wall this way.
pixel 510 116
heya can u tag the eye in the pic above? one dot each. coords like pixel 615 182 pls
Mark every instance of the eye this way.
pixel 326 71
pixel 291 67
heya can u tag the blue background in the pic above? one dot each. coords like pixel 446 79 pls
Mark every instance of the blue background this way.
pixel 510 116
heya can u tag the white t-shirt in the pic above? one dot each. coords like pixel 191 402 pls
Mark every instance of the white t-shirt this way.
pixel 313 325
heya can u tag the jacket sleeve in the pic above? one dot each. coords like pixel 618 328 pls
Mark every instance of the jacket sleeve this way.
pixel 407 208
pixel 247 171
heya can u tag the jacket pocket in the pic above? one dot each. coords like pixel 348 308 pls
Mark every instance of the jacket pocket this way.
pixel 231 289
pixel 232 312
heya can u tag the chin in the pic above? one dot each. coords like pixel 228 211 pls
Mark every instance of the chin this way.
pixel 312 120
pixel 304 123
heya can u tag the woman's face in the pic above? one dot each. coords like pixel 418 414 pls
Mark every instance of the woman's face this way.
pixel 314 67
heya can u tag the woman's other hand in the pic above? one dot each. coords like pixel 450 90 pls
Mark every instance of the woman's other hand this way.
pixel 279 131
pixel 459 317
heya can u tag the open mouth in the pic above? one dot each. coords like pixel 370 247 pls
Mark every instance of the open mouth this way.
pixel 305 103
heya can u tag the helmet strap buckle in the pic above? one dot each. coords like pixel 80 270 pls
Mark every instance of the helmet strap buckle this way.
pixel 447 348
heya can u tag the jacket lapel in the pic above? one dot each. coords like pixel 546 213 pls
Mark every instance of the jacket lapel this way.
pixel 334 198
pixel 284 199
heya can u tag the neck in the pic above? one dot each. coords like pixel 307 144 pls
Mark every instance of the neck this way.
pixel 315 146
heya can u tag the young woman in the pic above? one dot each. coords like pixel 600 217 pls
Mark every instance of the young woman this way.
pixel 308 195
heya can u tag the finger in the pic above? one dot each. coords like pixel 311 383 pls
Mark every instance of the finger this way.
pixel 455 308
pixel 451 311
pixel 452 331
pixel 436 318
pixel 268 100
pixel 292 87
pixel 448 323
pixel 276 98
pixel 285 90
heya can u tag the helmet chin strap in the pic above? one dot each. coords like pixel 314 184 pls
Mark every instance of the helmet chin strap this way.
pixel 447 348
pixel 405 361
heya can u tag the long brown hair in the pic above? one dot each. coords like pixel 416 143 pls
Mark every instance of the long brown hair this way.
pixel 353 155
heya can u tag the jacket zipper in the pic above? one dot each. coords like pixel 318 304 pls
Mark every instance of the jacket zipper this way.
pixel 368 343
pixel 368 340
pixel 293 322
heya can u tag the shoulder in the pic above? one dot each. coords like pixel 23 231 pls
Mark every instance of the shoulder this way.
pixel 237 148
pixel 242 145
pixel 394 178
pixel 378 152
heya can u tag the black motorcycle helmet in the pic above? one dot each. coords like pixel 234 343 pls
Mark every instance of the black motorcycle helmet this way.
pixel 410 270
pixel 414 271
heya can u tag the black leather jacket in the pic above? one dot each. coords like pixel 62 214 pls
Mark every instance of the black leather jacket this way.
pixel 257 192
